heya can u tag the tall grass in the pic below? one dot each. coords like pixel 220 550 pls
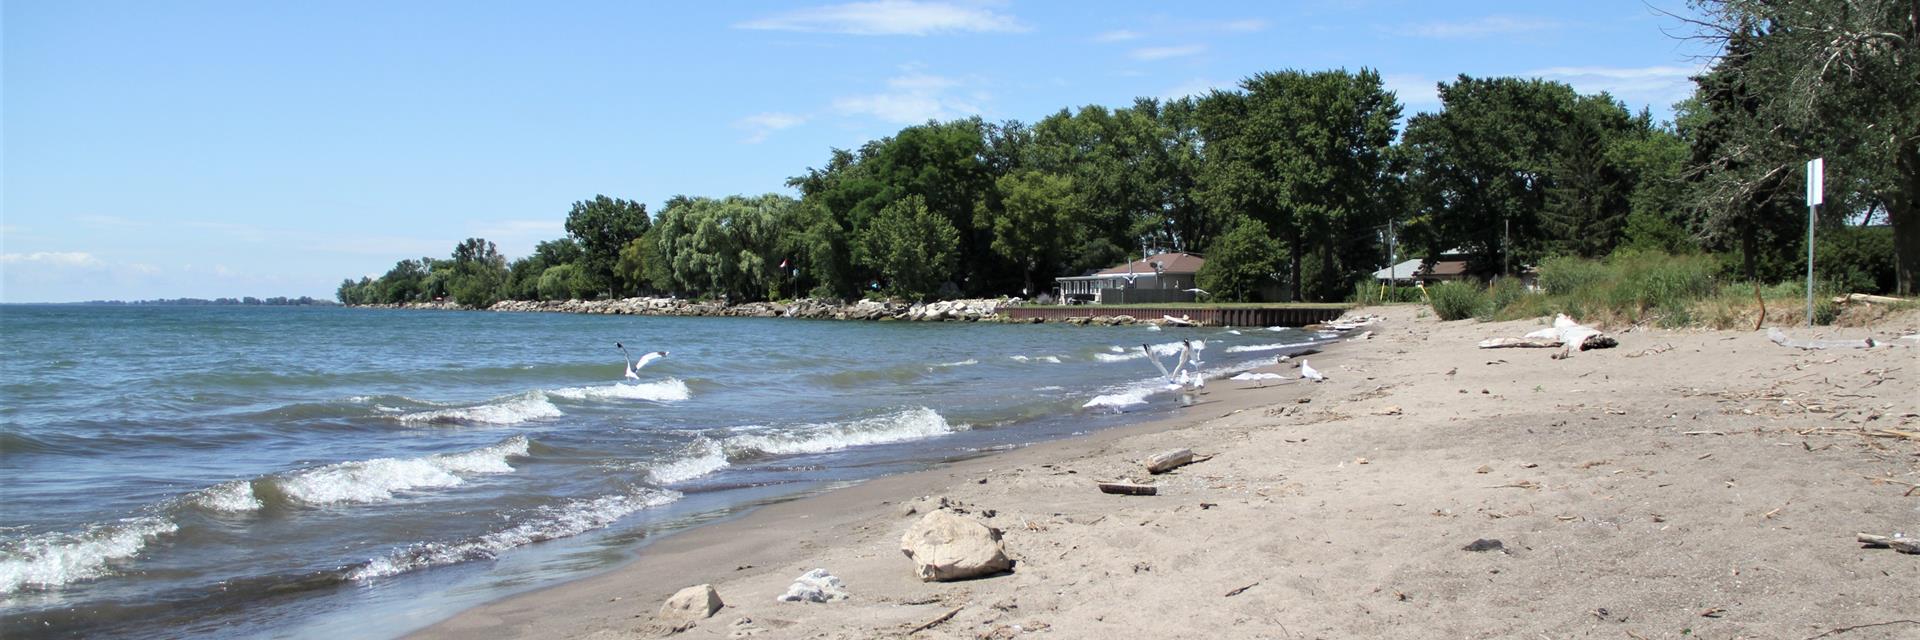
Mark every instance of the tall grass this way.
pixel 1456 300
pixel 1632 288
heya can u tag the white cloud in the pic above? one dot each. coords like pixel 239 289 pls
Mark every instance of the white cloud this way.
pixel 1656 85
pixel 913 99
pixel 52 258
pixel 1476 28
pixel 760 125
pixel 1119 35
pixel 1162 53
pixel 1196 87
pixel 1416 93
pixel 889 17
pixel 1249 25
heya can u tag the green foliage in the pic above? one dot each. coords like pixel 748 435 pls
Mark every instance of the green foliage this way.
pixel 1240 262
pixel 478 273
pixel 1034 222
pixel 911 247
pixel 721 247
pixel 1855 259
pixel 602 226
pixel 1308 155
pixel 1373 293
pixel 565 282
pixel 1503 294
pixel 1456 300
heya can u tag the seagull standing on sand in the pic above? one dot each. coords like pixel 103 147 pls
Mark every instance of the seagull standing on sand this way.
pixel 1308 372
pixel 633 367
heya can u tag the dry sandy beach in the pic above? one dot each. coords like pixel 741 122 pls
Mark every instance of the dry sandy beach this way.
pixel 1684 484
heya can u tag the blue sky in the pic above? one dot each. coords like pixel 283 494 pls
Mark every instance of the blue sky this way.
pixel 166 149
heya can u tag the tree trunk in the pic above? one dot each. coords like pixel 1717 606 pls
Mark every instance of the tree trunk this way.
pixel 1747 247
pixel 1903 211
pixel 1293 248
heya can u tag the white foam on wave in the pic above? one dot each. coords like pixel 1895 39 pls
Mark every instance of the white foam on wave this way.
pixel 1249 348
pixel 668 390
pixel 704 457
pixel 234 496
pixel 1046 359
pixel 912 424
pixel 549 523
pixel 961 363
pixel 1276 328
pixel 377 480
pixel 58 558
pixel 1122 354
pixel 1119 401
pixel 515 410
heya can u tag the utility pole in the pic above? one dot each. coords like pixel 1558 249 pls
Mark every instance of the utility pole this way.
pixel 1816 194
pixel 1506 246
pixel 1393 273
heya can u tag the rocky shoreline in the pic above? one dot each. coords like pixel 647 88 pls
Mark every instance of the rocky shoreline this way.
pixel 971 310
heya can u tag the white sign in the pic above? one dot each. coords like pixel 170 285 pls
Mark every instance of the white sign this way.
pixel 1816 181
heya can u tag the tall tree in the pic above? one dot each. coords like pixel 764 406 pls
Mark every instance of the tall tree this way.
pixel 1034 224
pixel 602 226
pixel 912 247
pixel 1240 262
pixel 1832 78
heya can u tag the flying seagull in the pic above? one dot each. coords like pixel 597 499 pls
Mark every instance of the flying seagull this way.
pixel 1178 375
pixel 633 367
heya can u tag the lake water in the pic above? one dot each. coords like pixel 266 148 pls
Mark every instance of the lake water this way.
pixel 307 472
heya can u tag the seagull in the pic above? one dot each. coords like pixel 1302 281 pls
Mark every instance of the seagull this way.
pixel 633 367
pixel 1307 371
pixel 1178 376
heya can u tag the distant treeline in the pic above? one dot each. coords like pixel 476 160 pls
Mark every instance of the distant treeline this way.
pixel 1303 178
pixel 276 301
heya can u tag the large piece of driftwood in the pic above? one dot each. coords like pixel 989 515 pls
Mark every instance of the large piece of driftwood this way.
pixel 1780 338
pixel 1870 299
pixel 1902 545
pixel 1169 460
pixel 1128 489
pixel 1517 343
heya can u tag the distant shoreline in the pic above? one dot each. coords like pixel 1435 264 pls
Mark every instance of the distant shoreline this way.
pixel 968 310
pixel 248 301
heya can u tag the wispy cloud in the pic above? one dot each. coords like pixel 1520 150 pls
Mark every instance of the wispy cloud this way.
pixel 1162 53
pixel 1476 28
pixel 1195 87
pixel 889 18
pixel 761 125
pixel 1416 92
pixel 913 99
pixel 52 258
pixel 1249 25
pixel 1655 85
pixel 1118 35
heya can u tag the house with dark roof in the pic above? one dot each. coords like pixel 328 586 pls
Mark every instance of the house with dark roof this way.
pixel 1162 277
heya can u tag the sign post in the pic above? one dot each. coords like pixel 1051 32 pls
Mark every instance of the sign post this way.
pixel 1816 194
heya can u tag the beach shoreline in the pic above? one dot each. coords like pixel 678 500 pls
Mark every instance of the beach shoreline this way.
pixel 1683 483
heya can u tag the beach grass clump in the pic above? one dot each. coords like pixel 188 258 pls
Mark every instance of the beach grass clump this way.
pixel 1456 300
pixel 1373 293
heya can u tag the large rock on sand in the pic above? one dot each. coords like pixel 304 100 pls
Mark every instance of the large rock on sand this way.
pixel 946 546
pixel 690 604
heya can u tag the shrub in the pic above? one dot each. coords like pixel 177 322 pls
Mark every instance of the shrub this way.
pixel 1372 293
pixel 1561 276
pixel 1456 300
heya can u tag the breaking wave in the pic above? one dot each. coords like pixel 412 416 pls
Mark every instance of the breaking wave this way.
pixel 377 480
pixel 1119 401
pixel 1248 348
pixel 53 559
pixel 668 390
pixel 912 424
pixel 532 405
pixel 704 457
pixel 548 523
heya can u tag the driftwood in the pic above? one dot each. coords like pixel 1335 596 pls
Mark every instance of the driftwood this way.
pixel 930 623
pixel 1780 338
pixel 1128 489
pixel 1518 343
pixel 1902 545
pixel 1169 460
pixel 1869 299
